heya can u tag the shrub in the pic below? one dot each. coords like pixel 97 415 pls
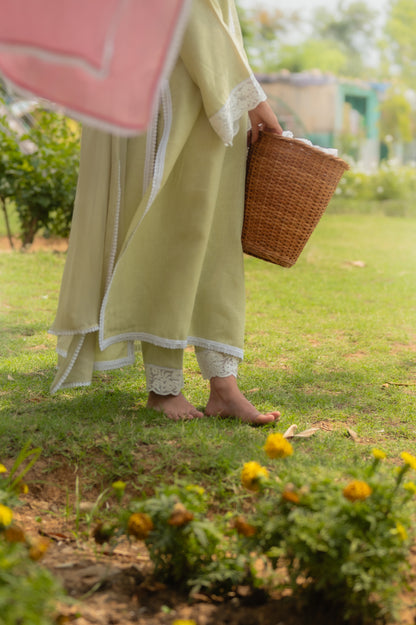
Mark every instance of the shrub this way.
pixel 28 592
pixel 344 542
pixel 388 182
pixel 38 171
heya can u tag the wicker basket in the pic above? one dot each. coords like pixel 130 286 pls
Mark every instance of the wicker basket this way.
pixel 288 187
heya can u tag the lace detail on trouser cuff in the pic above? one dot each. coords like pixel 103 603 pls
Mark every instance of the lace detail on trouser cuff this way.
pixel 162 380
pixel 216 364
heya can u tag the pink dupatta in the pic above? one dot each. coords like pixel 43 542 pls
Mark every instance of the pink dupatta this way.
pixel 102 61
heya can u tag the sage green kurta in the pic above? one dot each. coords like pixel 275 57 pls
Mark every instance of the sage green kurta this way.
pixel 155 247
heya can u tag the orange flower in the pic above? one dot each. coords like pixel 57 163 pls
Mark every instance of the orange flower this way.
pixel 38 548
pixel 180 516
pixel 244 528
pixel 14 534
pixel 290 496
pixel 139 525
pixel 357 491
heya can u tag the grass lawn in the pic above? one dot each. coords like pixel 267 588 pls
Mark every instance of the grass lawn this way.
pixel 331 342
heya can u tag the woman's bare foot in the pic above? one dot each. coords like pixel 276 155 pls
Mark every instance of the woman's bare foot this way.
pixel 174 407
pixel 226 400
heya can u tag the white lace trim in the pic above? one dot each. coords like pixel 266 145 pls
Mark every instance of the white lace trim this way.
pixel 106 365
pixel 163 380
pixel 215 364
pixel 244 97
pixel 173 343
pixel 55 387
pixel 155 168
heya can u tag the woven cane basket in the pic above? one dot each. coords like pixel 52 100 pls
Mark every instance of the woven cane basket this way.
pixel 288 187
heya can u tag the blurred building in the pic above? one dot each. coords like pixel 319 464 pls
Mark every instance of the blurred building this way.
pixel 330 111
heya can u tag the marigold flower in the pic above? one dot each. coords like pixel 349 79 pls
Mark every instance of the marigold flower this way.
pixel 14 534
pixel 196 489
pixel 357 490
pixel 290 496
pixel 139 525
pixel 379 454
pixel 277 446
pixel 252 475
pixel 243 528
pixel 23 488
pixel 409 460
pixel 6 516
pixel 410 486
pixel 180 516
pixel 401 531
pixel 38 548
pixel 3 468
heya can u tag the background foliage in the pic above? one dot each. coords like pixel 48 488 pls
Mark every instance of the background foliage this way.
pixel 38 173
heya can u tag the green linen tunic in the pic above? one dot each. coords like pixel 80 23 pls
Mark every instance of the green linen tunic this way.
pixel 155 247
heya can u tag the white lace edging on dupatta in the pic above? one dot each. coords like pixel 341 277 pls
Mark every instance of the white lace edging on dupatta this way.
pixel 244 97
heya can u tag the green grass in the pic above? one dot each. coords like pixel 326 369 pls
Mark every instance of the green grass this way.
pixel 327 342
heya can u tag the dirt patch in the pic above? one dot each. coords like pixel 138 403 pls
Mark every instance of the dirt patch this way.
pixel 53 244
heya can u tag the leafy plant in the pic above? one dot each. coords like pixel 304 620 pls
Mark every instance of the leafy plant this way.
pixel 28 592
pixel 388 182
pixel 345 545
pixel 344 541
pixel 38 171
pixel 186 547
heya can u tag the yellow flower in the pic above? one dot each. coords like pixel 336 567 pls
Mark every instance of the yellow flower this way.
pixel 409 460
pixel 410 486
pixel 6 516
pixel 3 468
pixel 243 528
pixel 401 531
pixel 252 474
pixel 379 454
pixel 196 489
pixel 277 446
pixel 357 491
pixel 139 525
pixel 184 621
pixel 290 496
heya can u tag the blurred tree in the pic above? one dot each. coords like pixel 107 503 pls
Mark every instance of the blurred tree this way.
pixel 339 42
pixel 399 45
pixel 263 33
pixel 351 29
pixel 397 119
pixel 312 54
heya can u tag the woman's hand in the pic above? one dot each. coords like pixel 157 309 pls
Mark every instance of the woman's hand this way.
pixel 263 118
